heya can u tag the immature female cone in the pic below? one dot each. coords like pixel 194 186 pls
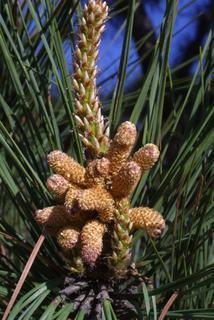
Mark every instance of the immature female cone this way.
pixel 88 112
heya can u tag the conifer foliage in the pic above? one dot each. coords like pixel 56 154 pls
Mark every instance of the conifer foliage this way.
pixel 119 188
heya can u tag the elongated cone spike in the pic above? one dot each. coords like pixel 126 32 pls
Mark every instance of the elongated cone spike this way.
pixel 84 78
pixel 58 185
pixel 148 219
pixel 64 165
pixel 54 217
pixel 121 146
pixel 68 237
pixel 126 180
pixel 92 241
pixel 147 156
pixel 99 200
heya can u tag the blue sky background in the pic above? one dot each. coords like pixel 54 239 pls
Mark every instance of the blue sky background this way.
pixel 185 30
pixel 111 44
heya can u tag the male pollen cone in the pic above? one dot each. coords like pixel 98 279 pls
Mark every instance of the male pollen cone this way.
pixel 148 219
pixel 99 200
pixel 92 241
pixel 121 146
pixel 57 185
pixel 147 156
pixel 68 237
pixel 64 165
pixel 96 171
pixel 126 180
pixel 71 200
pixel 54 217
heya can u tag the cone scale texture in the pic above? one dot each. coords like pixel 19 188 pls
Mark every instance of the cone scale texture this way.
pixel 92 241
pixel 88 109
pixel 96 200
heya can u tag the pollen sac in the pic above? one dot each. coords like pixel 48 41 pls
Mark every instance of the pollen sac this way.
pixel 147 156
pixel 71 205
pixel 53 217
pixel 92 241
pixel 97 197
pixel 68 237
pixel 99 200
pixel 126 180
pixel 58 185
pixel 126 134
pixel 148 219
pixel 64 165
pixel 96 171
pixel 121 146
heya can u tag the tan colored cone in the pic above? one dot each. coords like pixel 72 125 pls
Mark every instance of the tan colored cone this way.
pixel 99 200
pixel 147 156
pixel 92 241
pixel 126 180
pixel 53 217
pixel 64 165
pixel 68 237
pixel 71 200
pixel 148 219
pixel 121 146
pixel 58 185
pixel 96 172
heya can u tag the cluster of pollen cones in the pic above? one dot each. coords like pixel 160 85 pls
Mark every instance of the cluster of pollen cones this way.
pixel 89 199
